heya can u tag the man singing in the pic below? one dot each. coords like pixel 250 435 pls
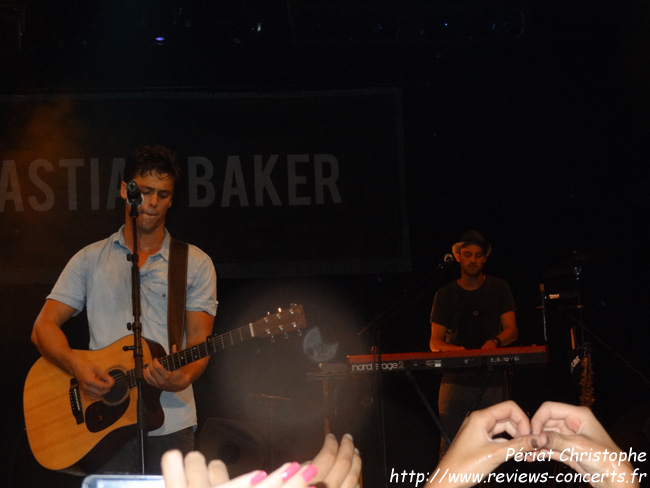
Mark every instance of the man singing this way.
pixel 98 279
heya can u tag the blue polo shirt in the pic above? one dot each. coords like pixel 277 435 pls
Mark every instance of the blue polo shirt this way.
pixel 98 278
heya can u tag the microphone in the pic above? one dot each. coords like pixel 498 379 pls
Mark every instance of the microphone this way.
pixel 133 195
pixel 448 258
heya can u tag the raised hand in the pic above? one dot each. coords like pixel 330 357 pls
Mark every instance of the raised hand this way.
pixel 573 436
pixel 475 451
pixel 339 466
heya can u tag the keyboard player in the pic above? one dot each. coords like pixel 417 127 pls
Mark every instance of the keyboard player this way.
pixel 475 311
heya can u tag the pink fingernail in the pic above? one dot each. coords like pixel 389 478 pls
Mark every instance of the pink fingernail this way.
pixel 290 471
pixel 309 473
pixel 258 478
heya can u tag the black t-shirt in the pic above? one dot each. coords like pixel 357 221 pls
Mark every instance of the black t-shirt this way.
pixel 471 317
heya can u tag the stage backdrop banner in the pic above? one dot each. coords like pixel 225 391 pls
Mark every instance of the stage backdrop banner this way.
pixel 284 184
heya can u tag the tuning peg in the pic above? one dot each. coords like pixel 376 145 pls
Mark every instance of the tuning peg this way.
pixel 286 336
pixel 270 335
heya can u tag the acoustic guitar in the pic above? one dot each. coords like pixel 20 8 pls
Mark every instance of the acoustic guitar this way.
pixel 69 431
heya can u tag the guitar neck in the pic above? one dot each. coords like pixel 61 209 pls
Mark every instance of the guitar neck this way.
pixel 213 344
pixel 280 323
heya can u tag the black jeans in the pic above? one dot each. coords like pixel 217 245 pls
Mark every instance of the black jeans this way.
pixel 126 460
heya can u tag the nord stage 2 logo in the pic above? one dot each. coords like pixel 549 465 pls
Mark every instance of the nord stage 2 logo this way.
pixel 374 366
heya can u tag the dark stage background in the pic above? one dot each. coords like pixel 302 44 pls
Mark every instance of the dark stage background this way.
pixel 526 120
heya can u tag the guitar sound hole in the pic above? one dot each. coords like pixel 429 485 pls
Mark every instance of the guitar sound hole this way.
pixel 120 389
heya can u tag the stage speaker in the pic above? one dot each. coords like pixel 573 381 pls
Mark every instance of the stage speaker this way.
pixel 241 449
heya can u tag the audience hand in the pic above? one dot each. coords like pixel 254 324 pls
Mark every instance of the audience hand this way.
pixel 557 431
pixel 336 467
pixel 567 431
pixel 339 466
pixel 476 450
pixel 193 472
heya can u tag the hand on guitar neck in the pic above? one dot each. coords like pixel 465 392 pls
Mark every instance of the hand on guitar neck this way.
pixel 157 376
pixel 198 327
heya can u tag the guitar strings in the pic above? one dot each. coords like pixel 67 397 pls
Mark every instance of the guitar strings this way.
pixel 199 351
pixel 191 354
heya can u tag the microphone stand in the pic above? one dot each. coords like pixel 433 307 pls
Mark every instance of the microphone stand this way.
pixel 375 328
pixel 136 327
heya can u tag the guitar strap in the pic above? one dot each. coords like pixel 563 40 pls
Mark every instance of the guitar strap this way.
pixel 176 292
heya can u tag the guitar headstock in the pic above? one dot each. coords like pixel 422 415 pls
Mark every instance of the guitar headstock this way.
pixel 280 323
